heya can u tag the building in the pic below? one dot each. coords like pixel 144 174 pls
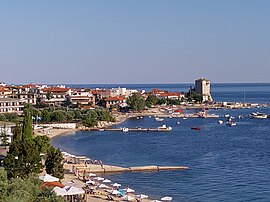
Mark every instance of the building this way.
pixel 11 105
pixel 202 87
pixel 6 128
pixel 82 97
pixel 116 101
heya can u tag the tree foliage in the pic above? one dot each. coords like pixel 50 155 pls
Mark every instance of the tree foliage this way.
pixel 54 163
pixel 27 126
pixel 27 190
pixel 136 102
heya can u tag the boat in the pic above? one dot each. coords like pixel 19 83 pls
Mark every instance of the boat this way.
pixel 258 115
pixel 195 128
pixel 231 123
pixel 177 122
pixel 164 128
pixel 159 119
pixel 240 117
pixel 125 129
pixel 220 122
pixel 101 129
pixel 227 115
pixel 184 118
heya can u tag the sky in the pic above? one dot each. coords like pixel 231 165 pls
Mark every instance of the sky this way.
pixel 134 41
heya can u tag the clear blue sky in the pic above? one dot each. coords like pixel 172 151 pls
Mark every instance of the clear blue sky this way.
pixel 140 41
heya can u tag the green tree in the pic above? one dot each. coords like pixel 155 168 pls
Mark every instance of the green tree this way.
pixel 151 100
pixel 58 116
pixel 90 119
pixel 136 102
pixel 42 143
pixel 54 163
pixel 27 126
pixel 49 95
pixel 45 116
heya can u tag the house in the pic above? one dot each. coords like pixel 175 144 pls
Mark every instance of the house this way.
pixel 5 92
pixel 116 101
pixel 7 128
pixel 82 97
pixel 55 95
pixel 11 105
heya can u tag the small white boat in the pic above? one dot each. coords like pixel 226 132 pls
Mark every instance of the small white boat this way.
pixel 184 118
pixel 258 115
pixel 177 122
pixel 220 122
pixel 159 119
pixel 231 123
pixel 141 117
pixel 227 115
pixel 101 129
pixel 125 129
pixel 164 127
pixel 138 118
pixel 240 117
pixel 150 116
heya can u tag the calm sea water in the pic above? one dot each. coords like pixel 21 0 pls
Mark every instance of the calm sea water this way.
pixel 226 163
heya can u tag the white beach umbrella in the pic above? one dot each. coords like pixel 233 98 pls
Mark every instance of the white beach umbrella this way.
pixel 48 178
pixel 142 196
pixel 116 185
pixel 98 178
pixel 128 190
pixel 107 181
pixel 103 186
pixel 71 190
pixel 166 198
pixel 59 191
pixel 92 175
pixel 128 198
pixel 90 182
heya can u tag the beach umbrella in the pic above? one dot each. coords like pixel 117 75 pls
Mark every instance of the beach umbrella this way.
pixel 128 198
pixel 166 198
pixel 128 190
pixel 59 191
pixel 48 178
pixel 71 190
pixel 142 196
pixel 107 181
pixel 116 185
pixel 92 175
pixel 103 186
pixel 90 182
pixel 98 178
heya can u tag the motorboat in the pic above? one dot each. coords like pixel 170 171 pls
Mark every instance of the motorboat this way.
pixel 164 128
pixel 227 115
pixel 220 122
pixel 195 128
pixel 231 123
pixel 159 119
pixel 125 129
pixel 184 118
pixel 240 117
pixel 258 115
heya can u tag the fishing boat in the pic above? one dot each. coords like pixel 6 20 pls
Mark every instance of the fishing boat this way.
pixel 164 128
pixel 195 128
pixel 258 115
pixel 159 119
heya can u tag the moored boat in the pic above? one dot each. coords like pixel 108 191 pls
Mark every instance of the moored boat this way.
pixel 159 119
pixel 164 128
pixel 195 128
pixel 258 115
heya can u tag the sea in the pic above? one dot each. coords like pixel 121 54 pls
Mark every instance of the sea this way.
pixel 225 163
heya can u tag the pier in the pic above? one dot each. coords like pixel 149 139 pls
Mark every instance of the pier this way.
pixel 167 129
pixel 92 168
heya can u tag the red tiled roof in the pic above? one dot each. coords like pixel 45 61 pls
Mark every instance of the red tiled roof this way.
pixel 119 98
pixel 3 89
pixel 56 89
pixel 30 86
pixel 52 184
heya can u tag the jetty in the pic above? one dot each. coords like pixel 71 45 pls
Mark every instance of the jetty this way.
pixel 160 129
pixel 93 168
